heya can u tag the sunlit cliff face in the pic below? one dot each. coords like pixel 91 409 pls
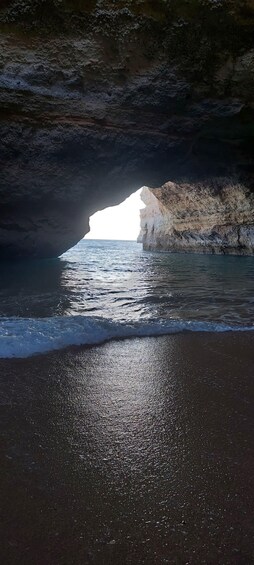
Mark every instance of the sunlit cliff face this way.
pixel 218 218
pixel 102 98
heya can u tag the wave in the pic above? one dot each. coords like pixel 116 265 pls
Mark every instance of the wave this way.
pixel 24 337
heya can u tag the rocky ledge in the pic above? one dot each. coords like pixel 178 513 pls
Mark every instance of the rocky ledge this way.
pixel 100 97
pixel 218 218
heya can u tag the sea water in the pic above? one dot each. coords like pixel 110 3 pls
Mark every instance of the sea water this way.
pixel 101 290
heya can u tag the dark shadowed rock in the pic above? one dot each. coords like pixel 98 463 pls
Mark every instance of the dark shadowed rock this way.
pixel 99 98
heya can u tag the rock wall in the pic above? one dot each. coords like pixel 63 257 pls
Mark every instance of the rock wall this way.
pixel 218 218
pixel 98 98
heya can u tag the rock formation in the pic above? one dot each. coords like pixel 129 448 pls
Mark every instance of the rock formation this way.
pixel 100 97
pixel 218 218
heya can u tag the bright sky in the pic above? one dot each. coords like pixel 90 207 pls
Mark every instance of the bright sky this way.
pixel 118 222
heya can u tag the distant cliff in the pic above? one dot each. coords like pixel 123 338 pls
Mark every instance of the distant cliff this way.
pixel 218 218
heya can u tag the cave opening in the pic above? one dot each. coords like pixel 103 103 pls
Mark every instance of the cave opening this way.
pixel 121 222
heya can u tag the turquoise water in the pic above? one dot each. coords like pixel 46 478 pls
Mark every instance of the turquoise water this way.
pixel 103 290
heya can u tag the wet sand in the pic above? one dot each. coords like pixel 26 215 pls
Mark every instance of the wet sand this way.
pixel 139 451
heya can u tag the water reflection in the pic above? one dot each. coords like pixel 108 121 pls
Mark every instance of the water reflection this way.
pixel 117 280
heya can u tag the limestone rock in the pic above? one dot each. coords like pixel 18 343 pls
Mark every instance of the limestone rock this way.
pixel 218 218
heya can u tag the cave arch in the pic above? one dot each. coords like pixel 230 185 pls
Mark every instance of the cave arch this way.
pixel 96 103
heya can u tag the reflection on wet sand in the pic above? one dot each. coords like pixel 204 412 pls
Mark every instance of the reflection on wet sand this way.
pixel 132 452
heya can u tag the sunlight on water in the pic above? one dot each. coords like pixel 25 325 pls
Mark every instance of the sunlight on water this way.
pixel 103 290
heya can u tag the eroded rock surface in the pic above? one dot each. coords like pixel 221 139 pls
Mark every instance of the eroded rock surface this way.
pixel 98 98
pixel 218 218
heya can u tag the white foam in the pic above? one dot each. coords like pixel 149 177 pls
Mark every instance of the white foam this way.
pixel 23 337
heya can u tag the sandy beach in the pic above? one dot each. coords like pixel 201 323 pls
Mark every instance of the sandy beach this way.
pixel 137 451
